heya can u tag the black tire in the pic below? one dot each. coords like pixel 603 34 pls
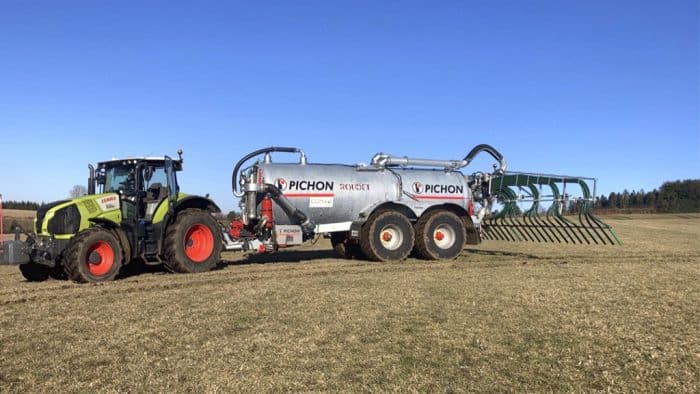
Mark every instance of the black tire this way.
pixel 192 242
pixel 345 247
pixel 34 272
pixel 95 255
pixel 440 235
pixel 387 236
pixel 58 273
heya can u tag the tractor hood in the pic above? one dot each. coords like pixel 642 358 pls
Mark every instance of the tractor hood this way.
pixel 63 219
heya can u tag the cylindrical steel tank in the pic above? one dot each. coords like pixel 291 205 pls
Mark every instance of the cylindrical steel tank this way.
pixel 333 193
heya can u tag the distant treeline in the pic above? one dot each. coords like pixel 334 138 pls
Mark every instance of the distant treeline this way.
pixel 25 205
pixel 672 197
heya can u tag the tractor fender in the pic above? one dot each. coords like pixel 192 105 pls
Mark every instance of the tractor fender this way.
pixel 184 201
pixel 198 202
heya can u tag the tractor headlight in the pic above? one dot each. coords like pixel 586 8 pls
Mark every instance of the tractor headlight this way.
pixel 65 221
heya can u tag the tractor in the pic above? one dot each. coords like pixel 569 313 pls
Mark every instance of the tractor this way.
pixel 133 211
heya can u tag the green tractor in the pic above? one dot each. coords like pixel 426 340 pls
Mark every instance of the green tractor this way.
pixel 137 214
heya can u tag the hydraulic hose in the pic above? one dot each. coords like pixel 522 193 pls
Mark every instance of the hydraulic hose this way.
pixel 253 154
pixel 490 150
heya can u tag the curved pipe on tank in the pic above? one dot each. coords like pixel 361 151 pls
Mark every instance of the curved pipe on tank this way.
pixel 384 160
pixel 250 155
pixel 291 211
pixel 488 149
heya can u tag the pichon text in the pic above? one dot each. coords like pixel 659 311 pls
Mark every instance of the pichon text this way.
pixel 311 185
pixel 444 189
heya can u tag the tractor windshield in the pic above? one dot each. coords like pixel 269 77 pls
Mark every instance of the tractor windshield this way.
pixel 119 178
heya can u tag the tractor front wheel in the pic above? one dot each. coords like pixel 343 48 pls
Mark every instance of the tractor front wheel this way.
pixel 193 242
pixel 94 255
pixel 34 272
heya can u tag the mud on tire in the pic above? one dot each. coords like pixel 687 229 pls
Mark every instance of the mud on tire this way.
pixel 94 255
pixel 192 242
pixel 440 235
pixel 387 236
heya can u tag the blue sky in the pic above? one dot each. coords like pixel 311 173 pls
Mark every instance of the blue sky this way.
pixel 597 88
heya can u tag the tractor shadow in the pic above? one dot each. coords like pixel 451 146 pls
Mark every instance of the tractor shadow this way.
pixel 287 256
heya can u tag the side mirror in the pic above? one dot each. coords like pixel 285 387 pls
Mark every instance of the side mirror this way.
pixel 148 173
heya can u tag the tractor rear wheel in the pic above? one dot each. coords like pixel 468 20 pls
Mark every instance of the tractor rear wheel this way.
pixel 345 247
pixel 387 236
pixel 440 235
pixel 193 242
pixel 34 272
pixel 94 255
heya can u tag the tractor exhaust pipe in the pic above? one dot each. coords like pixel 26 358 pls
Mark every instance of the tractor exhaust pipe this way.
pixel 91 180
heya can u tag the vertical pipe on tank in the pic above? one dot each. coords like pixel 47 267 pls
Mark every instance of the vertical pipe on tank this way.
pixel 250 204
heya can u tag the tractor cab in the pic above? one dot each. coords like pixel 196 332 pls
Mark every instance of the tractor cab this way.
pixel 142 183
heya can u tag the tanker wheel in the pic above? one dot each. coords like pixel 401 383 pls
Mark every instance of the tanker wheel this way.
pixel 388 236
pixel 440 235
pixel 345 247
pixel 193 242
pixel 34 272
pixel 94 255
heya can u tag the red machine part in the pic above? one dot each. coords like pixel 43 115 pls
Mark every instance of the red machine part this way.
pixel 266 211
pixel 236 227
pixel 470 207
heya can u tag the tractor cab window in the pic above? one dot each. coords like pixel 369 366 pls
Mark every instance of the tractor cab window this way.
pixel 157 185
pixel 120 179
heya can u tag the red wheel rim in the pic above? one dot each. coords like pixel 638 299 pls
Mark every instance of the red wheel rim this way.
pixel 103 258
pixel 199 243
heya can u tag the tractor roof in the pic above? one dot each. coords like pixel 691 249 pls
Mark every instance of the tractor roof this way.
pixel 157 161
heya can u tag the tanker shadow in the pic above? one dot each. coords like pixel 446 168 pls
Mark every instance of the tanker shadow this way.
pixel 137 267
pixel 287 256
pixel 502 253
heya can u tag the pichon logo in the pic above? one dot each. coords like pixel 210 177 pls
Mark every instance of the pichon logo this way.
pixel 420 188
pixel 281 184
pixel 417 187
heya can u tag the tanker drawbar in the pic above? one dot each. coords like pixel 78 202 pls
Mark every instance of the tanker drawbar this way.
pixel 398 205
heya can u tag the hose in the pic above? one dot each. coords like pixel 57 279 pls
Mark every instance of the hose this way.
pixel 488 149
pixel 253 154
pixel 289 209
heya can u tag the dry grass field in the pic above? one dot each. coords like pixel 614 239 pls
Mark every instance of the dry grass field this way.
pixel 502 317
